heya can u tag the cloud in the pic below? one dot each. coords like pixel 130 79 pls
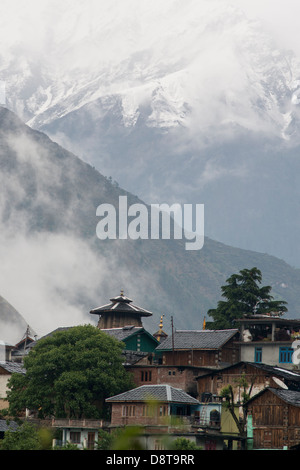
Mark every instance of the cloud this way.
pixel 44 275
pixel 280 17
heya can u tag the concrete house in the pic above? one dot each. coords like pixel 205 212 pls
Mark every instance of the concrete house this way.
pixel 268 339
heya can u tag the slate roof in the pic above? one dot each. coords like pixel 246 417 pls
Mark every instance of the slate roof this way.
pixel 121 304
pixel 197 339
pixel 279 371
pixel 10 426
pixel 161 393
pixel 291 397
pixel 290 375
pixel 123 332
pixel 13 367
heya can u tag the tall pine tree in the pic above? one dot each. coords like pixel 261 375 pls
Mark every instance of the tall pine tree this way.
pixel 244 295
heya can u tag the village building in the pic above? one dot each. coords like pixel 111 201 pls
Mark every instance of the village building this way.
pixel 268 339
pixel 183 377
pixel 273 420
pixel 122 320
pixel 82 432
pixel 257 376
pixel 7 368
pixel 165 413
pixel 200 348
pixel 134 338
pixel 22 348
pixel 162 412
pixel 5 351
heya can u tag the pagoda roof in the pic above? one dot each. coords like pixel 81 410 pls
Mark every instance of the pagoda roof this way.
pixel 121 304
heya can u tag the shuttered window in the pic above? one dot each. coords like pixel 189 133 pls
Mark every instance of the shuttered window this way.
pixel 285 355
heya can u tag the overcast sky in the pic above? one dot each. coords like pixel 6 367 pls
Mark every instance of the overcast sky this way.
pixel 281 16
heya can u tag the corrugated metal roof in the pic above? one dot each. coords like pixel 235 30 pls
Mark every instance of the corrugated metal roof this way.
pixel 161 393
pixel 197 339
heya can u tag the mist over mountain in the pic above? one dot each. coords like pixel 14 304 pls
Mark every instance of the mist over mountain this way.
pixel 187 102
pixel 54 269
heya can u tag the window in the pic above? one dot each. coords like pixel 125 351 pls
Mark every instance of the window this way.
pixel 285 355
pixel 146 376
pixel 258 355
pixel 128 410
pixel 75 437
pixel 163 410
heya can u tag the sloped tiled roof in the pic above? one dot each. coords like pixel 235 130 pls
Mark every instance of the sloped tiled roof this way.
pixel 10 426
pixel 13 367
pixel 289 396
pixel 197 339
pixel 290 375
pixel 161 393
pixel 123 332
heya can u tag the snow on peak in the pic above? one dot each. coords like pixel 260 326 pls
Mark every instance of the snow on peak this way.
pixel 203 56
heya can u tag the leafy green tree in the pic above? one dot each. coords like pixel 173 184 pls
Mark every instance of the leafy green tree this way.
pixel 181 443
pixel 243 295
pixel 70 374
pixel 27 437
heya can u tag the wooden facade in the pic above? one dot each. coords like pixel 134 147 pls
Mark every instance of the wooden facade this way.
pixel 203 348
pixel 275 419
pixel 201 358
pixel 119 313
pixel 258 377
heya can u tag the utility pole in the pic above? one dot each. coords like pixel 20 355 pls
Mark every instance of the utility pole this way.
pixel 172 323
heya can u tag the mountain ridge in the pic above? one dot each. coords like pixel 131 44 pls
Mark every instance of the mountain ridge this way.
pixel 55 269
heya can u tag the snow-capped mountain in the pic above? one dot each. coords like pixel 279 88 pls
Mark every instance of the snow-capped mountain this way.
pixel 179 58
pixel 177 101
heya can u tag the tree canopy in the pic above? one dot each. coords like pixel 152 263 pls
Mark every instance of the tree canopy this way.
pixel 244 295
pixel 70 374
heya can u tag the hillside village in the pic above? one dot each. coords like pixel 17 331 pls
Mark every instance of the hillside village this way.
pixel 185 374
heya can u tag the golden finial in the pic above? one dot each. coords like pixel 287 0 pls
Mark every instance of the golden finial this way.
pixel 204 324
pixel 122 293
pixel 160 328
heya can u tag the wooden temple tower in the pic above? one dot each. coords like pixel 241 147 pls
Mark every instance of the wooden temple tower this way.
pixel 120 312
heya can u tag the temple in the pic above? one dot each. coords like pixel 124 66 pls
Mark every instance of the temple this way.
pixel 119 313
